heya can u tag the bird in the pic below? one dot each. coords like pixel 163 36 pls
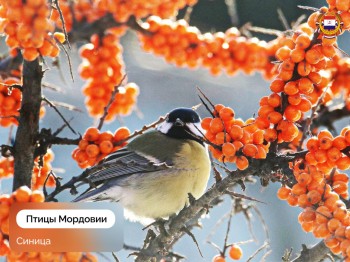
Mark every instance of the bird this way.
pixel 156 173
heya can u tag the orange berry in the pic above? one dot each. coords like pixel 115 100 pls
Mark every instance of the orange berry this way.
pixel 308 226
pixel 312 144
pixel 283 53
pixel 305 85
pixel 222 137
pixel 270 135
pixel 310 158
pixel 340 186
pixel 339 142
pixel 303 41
pixel 4 210
pixel 292 200
pixel 250 150
pixel 216 125
pixel 274 117
pixel 283 193
pixel 333 224
pixel 217 109
pixel 304 105
pixel 297 55
pixel 314 197
pixel 37 196
pixel 106 147
pixel 121 134
pixel 285 75
pixel 242 162
pixel 321 231
pixel 304 179
pixel 274 100
pixel 206 123
pixel 291 88
pixel 218 258
pixel 262 122
pixel 92 150
pixel 303 201
pixel 258 137
pixel 105 136
pixel 5 226
pixel 294 99
pixel 235 252
pixel 226 113
pixel 308 215
pixel 292 113
pixel 298 189
pixel 261 152
pixel 343 163
pixel 22 194
pixel 83 144
pixel 60 37
pixel 323 214
pixel 30 53
pixel 313 56
pixel 321 155
pixel 236 132
pixel 315 77
pixel 304 68
pixel 91 134
pixel 277 85
pixel 331 242
pixel 228 149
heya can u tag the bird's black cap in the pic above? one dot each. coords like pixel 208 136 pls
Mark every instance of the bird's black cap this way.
pixel 181 124
pixel 186 115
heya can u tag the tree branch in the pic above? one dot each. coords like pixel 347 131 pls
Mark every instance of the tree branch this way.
pixel 162 242
pixel 28 124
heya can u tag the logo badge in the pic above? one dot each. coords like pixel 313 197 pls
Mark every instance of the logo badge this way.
pixel 329 24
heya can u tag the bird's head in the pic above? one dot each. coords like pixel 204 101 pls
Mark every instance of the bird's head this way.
pixel 182 123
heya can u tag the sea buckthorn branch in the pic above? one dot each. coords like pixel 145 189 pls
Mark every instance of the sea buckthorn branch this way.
pixel 28 124
pixel 106 109
pixel 174 225
pixel 327 116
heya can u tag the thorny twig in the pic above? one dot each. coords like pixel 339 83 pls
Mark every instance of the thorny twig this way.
pixel 264 246
pixel 57 6
pixel 110 102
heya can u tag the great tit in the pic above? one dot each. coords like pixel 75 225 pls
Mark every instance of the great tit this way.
pixel 153 175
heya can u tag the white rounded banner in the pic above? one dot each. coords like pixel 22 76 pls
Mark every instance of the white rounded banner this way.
pixel 65 218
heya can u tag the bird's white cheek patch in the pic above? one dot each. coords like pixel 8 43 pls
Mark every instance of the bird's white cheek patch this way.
pixel 164 127
pixel 196 129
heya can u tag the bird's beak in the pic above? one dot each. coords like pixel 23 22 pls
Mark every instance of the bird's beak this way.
pixel 178 122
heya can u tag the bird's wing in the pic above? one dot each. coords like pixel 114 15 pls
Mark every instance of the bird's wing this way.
pixel 124 162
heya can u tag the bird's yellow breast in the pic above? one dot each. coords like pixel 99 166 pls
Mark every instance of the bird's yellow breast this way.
pixel 159 196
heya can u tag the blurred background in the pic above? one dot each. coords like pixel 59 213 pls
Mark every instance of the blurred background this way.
pixel 164 87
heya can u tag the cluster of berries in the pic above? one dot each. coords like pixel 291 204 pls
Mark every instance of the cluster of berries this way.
pixel 10 101
pixel 233 139
pixel 326 151
pixel 94 145
pixel 324 214
pixel 92 10
pixel 28 26
pixel 42 168
pixel 103 67
pixel 184 45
